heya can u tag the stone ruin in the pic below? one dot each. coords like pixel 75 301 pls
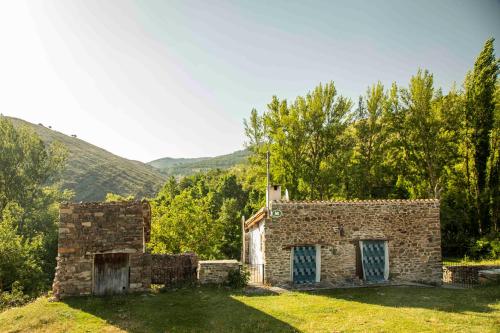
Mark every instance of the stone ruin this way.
pixel 102 248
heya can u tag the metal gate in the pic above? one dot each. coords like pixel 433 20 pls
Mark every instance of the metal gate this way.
pixel 111 273
pixel 304 264
pixel 256 272
pixel 373 252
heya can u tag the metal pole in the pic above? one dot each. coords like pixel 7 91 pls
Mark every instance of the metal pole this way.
pixel 267 180
pixel 243 252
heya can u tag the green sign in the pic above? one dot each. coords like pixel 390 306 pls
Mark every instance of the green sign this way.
pixel 276 213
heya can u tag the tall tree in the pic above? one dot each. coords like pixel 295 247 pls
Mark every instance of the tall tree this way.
pixel 425 136
pixel 28 205
pixel 369 136
pixel 306 140
pixel 480 86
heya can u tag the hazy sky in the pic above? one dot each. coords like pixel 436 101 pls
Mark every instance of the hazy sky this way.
pixel 149 79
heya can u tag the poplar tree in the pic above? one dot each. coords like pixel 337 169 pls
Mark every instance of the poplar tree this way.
pixel 480 85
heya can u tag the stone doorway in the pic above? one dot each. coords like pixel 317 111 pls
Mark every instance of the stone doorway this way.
pixel 111 273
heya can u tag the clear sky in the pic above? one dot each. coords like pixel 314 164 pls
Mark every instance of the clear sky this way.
pixel 149 79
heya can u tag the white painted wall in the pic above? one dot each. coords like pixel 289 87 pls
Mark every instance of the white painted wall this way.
pixel 256 253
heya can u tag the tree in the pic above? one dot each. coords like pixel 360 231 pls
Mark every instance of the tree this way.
pixel 230 221
pixel 187 227
pixel 112 197
pixel 369 136
pixel 306 140
pixel 18 261
pixel 480 87
pixel 201 214
pixel 28 207
pixel 425 136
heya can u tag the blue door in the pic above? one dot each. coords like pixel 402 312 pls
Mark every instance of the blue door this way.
pixel 373 260
pixel 304 264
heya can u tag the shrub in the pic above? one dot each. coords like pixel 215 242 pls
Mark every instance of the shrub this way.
pixel 238 278
pixel 486 248
pixel 15 297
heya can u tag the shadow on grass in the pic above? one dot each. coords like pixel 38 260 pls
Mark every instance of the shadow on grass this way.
pixel 477 300
pixel 184 310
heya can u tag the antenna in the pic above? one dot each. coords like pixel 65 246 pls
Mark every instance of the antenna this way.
pixel 267 179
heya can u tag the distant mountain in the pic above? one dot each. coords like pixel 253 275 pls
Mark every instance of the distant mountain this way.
pixel 188 166
pixel 92 171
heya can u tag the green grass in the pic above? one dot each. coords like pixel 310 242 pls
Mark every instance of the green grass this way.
pixel 469 262
pixel 382 309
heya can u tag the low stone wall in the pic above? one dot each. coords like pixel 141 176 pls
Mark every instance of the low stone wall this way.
pixel 215 271
pixel 170 269
pixel 463 274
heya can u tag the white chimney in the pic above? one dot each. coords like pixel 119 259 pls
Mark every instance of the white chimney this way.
pixel 274 193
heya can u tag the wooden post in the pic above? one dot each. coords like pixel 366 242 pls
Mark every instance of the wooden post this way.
pixel 243 252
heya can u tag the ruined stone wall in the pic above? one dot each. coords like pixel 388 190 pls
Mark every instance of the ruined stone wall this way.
pixel 411 228
pixel 96 228
pixel 215 271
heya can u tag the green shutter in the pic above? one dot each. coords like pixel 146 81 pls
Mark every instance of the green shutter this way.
pixel 373 260
pixel 304 264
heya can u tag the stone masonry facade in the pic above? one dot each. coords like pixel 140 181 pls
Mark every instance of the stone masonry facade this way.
pixel 91 229
pixel 410 227
pixel 216 271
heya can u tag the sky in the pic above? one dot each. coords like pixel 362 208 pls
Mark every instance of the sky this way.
pixel 150 79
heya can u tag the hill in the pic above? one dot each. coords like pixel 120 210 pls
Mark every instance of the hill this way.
pixel 188 166
pixel 92 171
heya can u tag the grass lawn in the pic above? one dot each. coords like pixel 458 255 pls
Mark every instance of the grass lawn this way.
pixel 381 309
pixel 470 262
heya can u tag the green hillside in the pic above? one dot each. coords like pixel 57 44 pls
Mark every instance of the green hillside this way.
pixel 188 166
pixel 92 171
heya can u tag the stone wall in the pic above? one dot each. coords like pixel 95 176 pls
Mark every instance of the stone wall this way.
pixel 411 228
pixel 98 228
pixel 215 271
pixel 170 269
pixel 464 274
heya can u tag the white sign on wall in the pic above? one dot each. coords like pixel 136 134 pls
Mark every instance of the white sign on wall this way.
pixel 276 213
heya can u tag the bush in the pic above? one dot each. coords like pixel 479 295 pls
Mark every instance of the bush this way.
pixel 486 248
pixel 238 278
pixel 15 297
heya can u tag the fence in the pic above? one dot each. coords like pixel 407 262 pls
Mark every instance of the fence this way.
pixel 256 273
pixel 466 272
pixel 173 269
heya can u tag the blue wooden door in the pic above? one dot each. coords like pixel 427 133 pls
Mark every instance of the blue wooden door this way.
pixel 304 264
pixel 373 260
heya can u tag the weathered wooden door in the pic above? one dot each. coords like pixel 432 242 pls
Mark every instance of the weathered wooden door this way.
pixel 111 273
pixel 304 264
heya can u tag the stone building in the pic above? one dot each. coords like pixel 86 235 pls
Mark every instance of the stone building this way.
pixel 102 248
pixel 345 243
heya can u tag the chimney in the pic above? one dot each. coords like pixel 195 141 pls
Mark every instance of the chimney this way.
pixel 274 193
